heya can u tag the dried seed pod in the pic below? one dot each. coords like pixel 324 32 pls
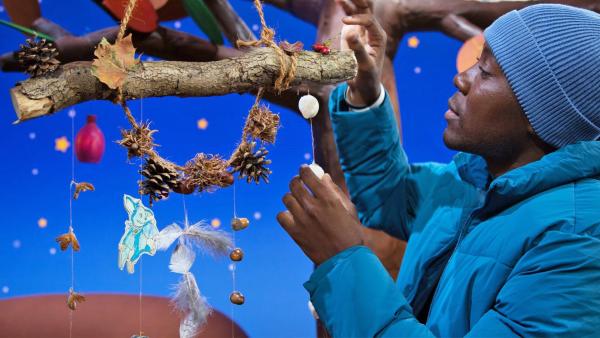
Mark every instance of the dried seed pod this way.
pixel 206 172
pixel 262 124
pixel 82 186
pixel 238 224
pixel 236 255
pixel 74 298
pixel 138 140
pixel 67 239
pixel 237 298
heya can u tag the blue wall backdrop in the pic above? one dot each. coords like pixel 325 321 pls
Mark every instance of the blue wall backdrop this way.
pixel 35 180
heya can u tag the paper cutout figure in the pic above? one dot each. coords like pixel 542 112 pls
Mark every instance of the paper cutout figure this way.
pixel 140 233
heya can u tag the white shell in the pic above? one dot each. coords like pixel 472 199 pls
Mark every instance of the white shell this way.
pixel 319 172
pixel 309 106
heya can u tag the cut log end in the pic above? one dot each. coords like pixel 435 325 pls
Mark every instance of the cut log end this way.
pixel 27 108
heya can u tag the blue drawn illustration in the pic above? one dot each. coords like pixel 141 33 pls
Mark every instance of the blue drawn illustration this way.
pixel 140 233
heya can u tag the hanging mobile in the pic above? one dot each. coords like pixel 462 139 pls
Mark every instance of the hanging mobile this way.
pixel 309 107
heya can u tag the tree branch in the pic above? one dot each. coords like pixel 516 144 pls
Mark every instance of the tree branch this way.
pixel 306 10
pixel 74 83
pixel 459 28
pixel 229 21
pixel 401 17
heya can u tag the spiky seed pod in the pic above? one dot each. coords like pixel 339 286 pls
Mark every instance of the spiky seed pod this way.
pixel 138 140
pixel 205 172
pixel 262 124
pixel 250 164
pixel 160 177
pixel 38 57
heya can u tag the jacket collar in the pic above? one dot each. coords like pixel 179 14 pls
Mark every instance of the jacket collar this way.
pixel 568 164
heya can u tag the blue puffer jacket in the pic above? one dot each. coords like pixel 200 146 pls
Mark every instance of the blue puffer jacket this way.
pixel 517 256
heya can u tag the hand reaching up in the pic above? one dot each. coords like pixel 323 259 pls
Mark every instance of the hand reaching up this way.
pixel 363 34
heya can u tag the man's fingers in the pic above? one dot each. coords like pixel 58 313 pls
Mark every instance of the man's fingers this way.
pixel 312 182
pixel 286 220
pixel 347 6
pixel 356 6
pixel 300 193
pixel 362 57
pixel 363 5
pixel 376 34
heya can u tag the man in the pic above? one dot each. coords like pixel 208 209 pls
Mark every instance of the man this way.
pixel 504 241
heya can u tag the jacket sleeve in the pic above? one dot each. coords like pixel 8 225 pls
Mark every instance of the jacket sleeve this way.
pixel 553 291
pixel 374 164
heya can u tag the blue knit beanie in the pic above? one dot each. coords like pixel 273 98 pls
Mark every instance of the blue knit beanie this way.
pixel 550 55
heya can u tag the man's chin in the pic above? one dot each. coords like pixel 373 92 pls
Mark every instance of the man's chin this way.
pixel 451 140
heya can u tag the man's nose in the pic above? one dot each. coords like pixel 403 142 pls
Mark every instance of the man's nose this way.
pixel 462 82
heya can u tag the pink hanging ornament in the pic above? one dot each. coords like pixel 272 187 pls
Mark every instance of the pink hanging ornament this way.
pixel 89 142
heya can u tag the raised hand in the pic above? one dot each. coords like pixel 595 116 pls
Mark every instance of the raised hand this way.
pixel 363 34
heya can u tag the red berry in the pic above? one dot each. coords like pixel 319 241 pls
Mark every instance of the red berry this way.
pixel 318 47
pixel 325 51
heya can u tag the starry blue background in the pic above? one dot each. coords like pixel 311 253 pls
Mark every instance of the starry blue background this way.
pixel 36 180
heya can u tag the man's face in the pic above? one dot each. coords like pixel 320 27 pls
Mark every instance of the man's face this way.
pixel 484 116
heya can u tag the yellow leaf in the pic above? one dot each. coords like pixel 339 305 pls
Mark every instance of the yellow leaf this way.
pixel 114 61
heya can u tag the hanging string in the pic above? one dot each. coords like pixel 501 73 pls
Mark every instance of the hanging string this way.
pixel 286 72
pixel 141 258
pixel 125 20
pixel 71 185
pixel 233 264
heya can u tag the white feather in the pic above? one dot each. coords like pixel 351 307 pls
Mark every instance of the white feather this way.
pixel 182 258
pixel 213 241
pixel 167 236
pixel 191 304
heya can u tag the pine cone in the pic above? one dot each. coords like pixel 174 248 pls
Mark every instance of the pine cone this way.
pixel 160 179
pixel 38 57
pixel 250 164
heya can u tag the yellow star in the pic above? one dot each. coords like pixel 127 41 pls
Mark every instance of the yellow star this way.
pixel 202 124
pixel 42 222
pixel 413 42
pixel 62 144
pixel 215 223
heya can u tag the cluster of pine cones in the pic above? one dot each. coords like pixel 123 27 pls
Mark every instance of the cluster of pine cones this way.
pixel 38 57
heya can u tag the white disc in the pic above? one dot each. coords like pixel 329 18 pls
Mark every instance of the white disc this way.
pixel 309 106
pixel 319 172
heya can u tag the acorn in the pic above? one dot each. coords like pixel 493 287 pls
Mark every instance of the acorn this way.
pixel 236 255
pixel 237 298
pixel 238 224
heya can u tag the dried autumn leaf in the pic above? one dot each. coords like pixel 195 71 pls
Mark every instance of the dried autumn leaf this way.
pixel 67 239
pixel 74 298
pixel 114 61
pixel 291 48
pixel 82 186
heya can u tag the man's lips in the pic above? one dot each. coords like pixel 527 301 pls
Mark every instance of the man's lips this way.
pixel 451 113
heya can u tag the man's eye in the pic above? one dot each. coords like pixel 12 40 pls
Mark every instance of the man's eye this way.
pixel 483 72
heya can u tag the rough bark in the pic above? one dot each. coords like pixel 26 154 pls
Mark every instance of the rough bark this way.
pixel 74 82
